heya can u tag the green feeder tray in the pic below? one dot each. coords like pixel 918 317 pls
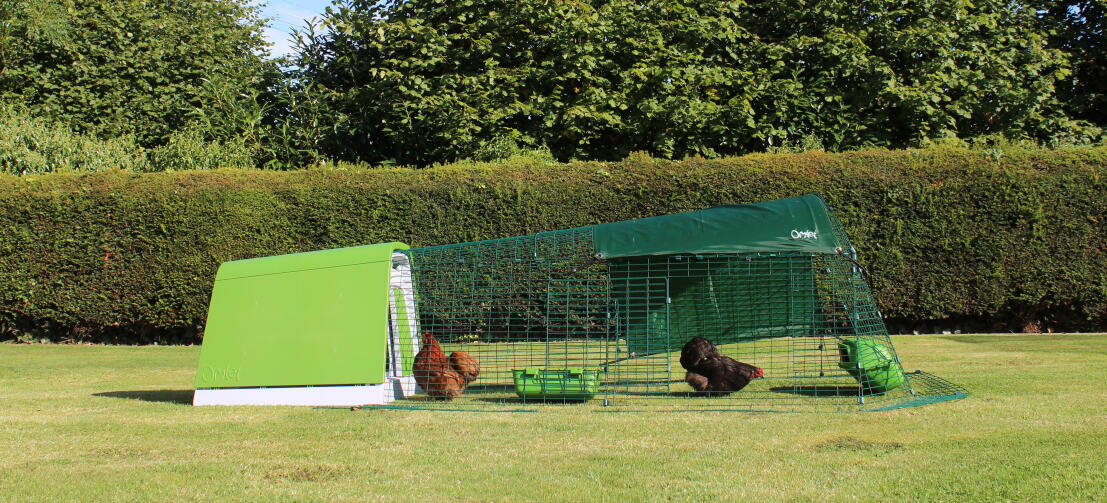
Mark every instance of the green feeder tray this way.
pixel 573 384
pixel 871 364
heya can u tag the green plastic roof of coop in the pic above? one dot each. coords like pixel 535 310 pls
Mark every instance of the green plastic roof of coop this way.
pixel 796 224
pixel 302 319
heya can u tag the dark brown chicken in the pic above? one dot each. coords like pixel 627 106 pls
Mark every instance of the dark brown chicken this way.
pixel 695 351
pixel 465 365
pixel 443 378
pixel 712 372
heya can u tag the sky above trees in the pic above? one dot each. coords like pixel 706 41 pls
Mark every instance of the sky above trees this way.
pixel 286 15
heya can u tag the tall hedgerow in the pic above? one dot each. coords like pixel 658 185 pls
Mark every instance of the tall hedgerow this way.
pixel 1006 239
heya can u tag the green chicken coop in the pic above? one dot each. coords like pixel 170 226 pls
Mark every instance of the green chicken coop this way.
pixel 595 314
pixel 327 327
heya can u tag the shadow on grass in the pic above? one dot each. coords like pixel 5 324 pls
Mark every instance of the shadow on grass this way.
pixel 534 401
pixel 818 391
pixel 178 396
pixel 490 388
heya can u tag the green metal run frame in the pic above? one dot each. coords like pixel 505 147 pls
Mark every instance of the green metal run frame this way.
pixel 776 285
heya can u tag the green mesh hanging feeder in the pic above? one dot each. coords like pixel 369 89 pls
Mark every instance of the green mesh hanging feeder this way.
pixel 872 364
pixel 595 315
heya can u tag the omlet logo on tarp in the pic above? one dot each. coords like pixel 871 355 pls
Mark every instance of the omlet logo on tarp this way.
pixel 798 234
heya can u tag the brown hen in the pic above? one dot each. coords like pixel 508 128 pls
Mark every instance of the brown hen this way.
pixel 443 378
pixel 429 361
pixel 465 365
pixel 445 385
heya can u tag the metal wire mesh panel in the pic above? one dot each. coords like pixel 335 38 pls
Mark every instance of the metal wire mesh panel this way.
pixel 550 323
pixel 521 307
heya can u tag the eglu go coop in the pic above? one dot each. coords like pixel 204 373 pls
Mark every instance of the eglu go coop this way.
pixel 593 315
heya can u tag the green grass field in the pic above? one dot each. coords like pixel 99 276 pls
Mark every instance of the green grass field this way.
pixel 92 423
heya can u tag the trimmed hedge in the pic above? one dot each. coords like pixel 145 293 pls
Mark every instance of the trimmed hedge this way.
pixel 1013 241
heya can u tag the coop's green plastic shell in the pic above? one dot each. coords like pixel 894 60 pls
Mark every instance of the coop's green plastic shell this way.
pixel 304 319
pixel 871 364
pixel 570 384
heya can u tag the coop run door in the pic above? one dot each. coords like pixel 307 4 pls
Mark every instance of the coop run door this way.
pixel 618 328
pixel 578 336
pixel 640 341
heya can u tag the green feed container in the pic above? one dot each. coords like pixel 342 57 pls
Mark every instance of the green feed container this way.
pixel 572 384
pixel 871 364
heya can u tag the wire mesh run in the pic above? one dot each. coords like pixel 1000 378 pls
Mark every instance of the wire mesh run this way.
pixel 547 322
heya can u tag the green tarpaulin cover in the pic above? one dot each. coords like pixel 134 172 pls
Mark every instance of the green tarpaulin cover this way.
pixel 797 224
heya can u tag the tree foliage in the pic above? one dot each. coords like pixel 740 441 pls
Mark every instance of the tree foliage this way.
pixel 1079 28
pixel 423 81
pixel 125 66
pixel 427 81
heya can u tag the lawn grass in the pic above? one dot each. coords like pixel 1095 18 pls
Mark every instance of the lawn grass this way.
pixel 84 423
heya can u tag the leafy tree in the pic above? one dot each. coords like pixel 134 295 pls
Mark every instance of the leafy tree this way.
pixel 891 73
pixel 1079 27
pixel 428 81
pixel 423 81
pixel 112 68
